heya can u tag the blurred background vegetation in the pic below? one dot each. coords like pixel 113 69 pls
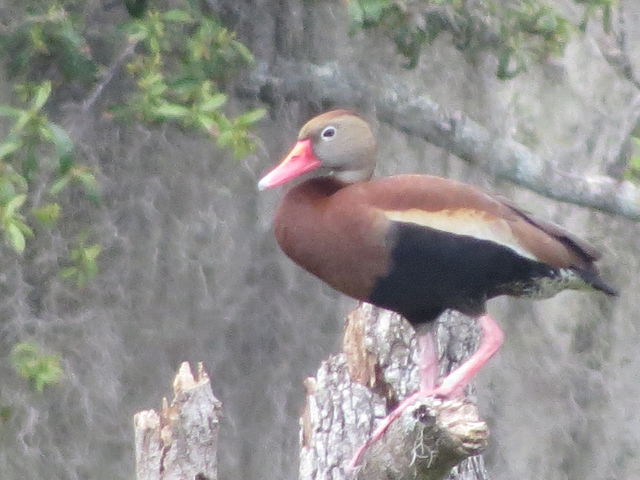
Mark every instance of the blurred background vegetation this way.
pixel 178 61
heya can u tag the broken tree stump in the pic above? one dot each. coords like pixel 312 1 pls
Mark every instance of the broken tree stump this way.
pixel 351 392
pixel 181 441
pixel 355 389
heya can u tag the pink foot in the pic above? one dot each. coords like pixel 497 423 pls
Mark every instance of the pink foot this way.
pixel 384 425
pixel 428 368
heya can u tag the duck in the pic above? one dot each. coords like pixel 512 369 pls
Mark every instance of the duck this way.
pixel 416 244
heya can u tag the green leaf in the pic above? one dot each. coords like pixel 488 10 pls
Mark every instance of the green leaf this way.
pixel 150 79
pixel 23 227
pixel 185 86
pixel 136 30
pixel 85 265
pixel 355 12
pixel 90 185
pixel 250 117
pixel 7 111
pixel 42 95
pixel 16 237
pixel 93 251
pixel 65 162
pixel 62 141
pixel 244 52
pixel 24 117
pixel 214 102
pixel 47 214
pixel 19 182
pixel 225 138
pixel 59 185
pixel 374 10
pixel 14 205
pixel 136 8
pixel 90 269
pixel 172 111
pixel 46 135
pixel 206 122
pixel 33 364
pixel 224 123
pixel 7 189
pixel 68 272
pixel 10 145
pixel 177 16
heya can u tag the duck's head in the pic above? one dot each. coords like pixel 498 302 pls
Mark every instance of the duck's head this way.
pixel 338 143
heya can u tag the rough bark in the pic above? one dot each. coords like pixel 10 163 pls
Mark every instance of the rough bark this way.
pixel 418 115
pixel 181 441
pixel 351 392
pixel 355 389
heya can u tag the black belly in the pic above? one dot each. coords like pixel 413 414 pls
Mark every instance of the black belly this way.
pixel 434 270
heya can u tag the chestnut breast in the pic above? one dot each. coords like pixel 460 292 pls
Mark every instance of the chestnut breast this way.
pixel 329 229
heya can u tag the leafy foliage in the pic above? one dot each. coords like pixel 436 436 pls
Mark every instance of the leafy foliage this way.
pixel 182 61
pixel 13 224
pixel 186 57
pixel 84 263
pixel 49 42
pixel 592 8
pixel 33 364
pixel 34 146
pixel 519 32
pixel 48 214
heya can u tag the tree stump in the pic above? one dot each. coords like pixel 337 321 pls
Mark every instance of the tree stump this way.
pixel 350 393
pixel 357 388
pixel 181 441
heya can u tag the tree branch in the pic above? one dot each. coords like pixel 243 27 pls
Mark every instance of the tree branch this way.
pixel 615 48
pixel 107 76
pixel 418 115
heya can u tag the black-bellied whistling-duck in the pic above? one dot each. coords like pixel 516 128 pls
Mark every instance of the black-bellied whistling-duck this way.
pixel 416 244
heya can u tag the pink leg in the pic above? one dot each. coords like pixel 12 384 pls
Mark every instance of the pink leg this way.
pixel 428 368
pixel 450 386
pixel 454 383
pixel 428 361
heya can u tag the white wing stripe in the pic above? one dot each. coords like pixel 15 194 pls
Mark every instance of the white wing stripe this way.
pixel 469 222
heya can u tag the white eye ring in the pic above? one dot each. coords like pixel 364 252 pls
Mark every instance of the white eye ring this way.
pixel 328 133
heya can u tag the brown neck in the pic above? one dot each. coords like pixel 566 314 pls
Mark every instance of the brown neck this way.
pixel 314 189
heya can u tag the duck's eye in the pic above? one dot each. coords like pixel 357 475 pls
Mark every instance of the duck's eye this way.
pixel 328 133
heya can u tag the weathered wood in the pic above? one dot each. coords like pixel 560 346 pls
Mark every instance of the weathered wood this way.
pixel 180 441
pixel 355 389
pixel 426 442
pixel 350 393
